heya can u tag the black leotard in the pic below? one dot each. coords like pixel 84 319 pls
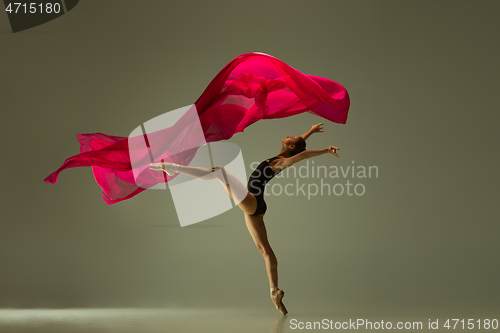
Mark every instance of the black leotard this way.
pixel 257 182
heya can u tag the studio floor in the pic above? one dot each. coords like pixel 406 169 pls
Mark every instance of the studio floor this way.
pixel 214 320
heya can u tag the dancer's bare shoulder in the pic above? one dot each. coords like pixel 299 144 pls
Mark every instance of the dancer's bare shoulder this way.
pixel 286 162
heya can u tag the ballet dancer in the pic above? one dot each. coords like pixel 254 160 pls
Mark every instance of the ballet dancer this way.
pixel 251 198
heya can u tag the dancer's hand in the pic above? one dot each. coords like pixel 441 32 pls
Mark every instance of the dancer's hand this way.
pixel 317 128
pixel 333 150
pixel 314 129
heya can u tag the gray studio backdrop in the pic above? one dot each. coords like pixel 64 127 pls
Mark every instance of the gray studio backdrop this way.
pixel 423 81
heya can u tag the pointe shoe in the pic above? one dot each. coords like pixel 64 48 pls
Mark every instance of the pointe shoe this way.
pixel 163 166
pixel 277 296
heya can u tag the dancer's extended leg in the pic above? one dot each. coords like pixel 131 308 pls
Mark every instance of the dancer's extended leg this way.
pixel 240 194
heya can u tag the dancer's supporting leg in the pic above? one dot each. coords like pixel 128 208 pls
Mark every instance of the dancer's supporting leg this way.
pixel 257 228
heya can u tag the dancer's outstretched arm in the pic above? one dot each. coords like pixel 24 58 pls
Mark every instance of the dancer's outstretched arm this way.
pixel 288 162
pixel 318 128
pixel 330 149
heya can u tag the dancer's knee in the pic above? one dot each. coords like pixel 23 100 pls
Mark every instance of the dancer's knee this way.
pixel 222 176
pixel 217 167
pixel 266 252
pixel 271 258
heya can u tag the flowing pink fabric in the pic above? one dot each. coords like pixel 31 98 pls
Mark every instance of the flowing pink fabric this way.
pixel 251 87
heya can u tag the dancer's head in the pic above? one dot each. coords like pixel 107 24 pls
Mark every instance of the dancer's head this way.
pixel 294 144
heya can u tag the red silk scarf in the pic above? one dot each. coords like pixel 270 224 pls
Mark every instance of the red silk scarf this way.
pixel 253 86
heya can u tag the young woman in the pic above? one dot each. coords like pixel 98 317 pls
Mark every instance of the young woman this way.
pixel 251 198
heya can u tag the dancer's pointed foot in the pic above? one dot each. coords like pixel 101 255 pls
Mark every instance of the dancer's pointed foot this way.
pixel 277 296
pixel 169 168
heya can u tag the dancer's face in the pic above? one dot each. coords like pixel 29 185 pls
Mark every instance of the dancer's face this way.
pixel 290 140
